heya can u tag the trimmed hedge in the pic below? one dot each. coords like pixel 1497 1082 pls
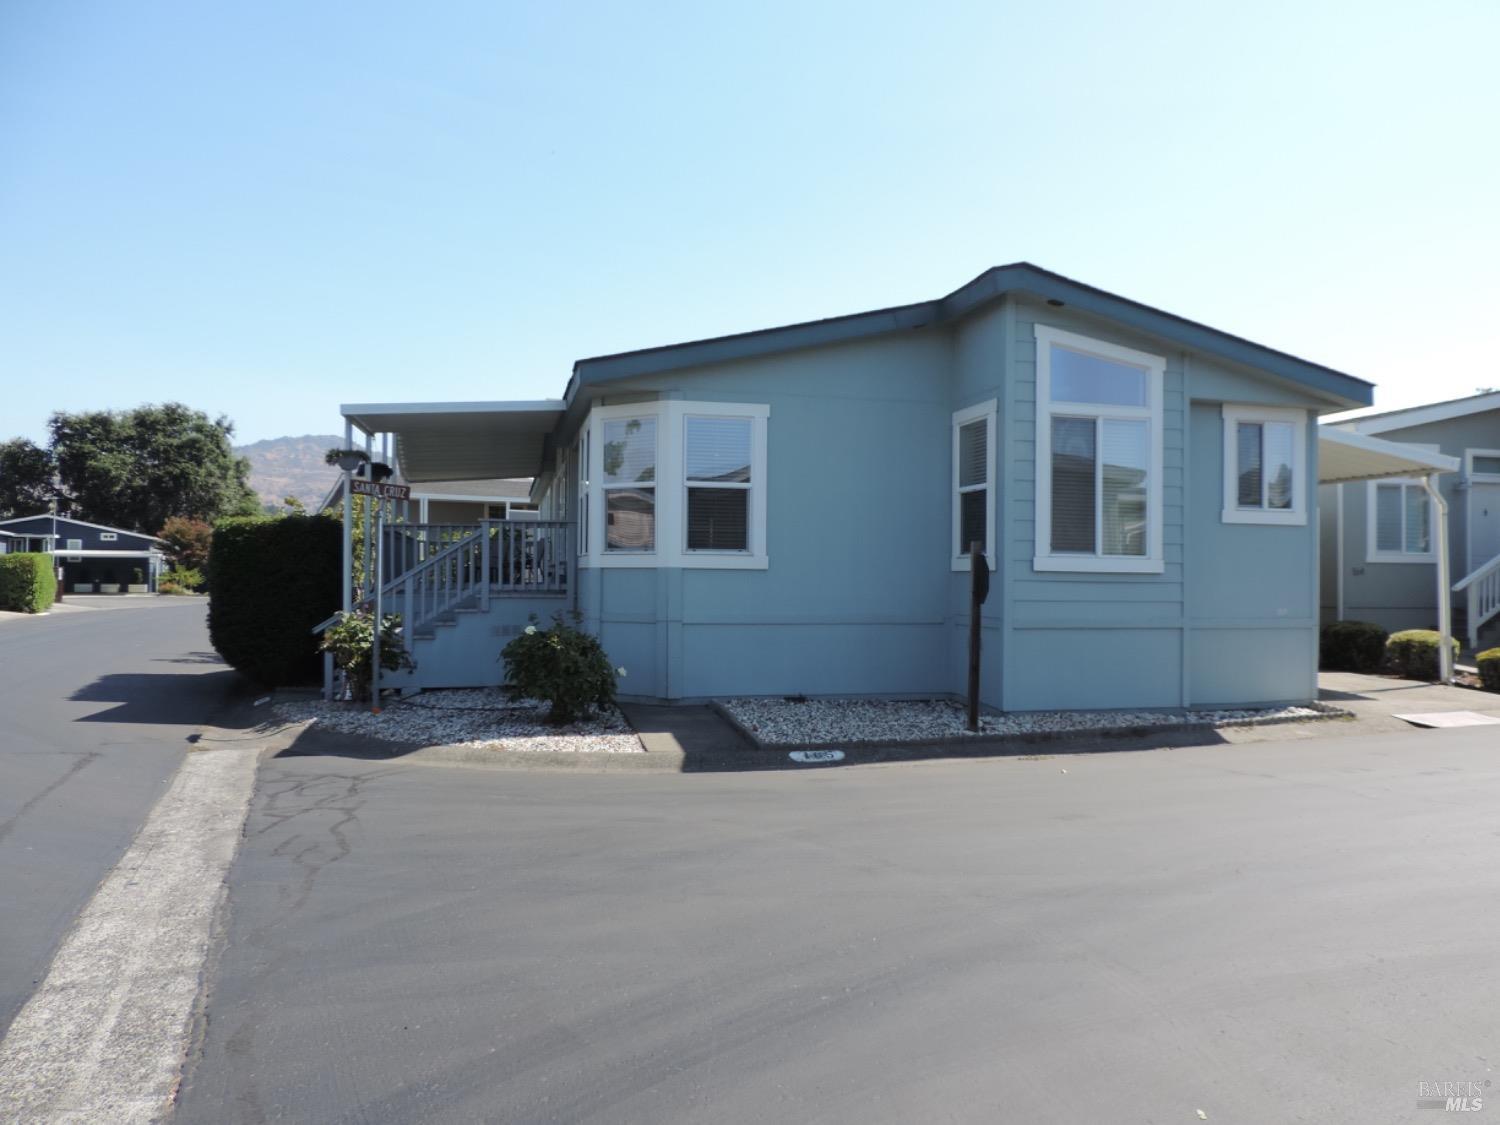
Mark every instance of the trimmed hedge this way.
pixel 1489 669
pixel 28 583
pixel 1351 646
pixel 1413 653
pixel 270 580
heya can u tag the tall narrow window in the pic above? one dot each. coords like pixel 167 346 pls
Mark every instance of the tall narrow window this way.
pixel 629 483
pixel 973 461
pixel 717 472
pixel 1263 459
pixel 1099 450
pixel 584 468
pixel 1400 522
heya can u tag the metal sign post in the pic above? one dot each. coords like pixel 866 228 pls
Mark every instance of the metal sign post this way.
pixel 375 640
pixel 979 589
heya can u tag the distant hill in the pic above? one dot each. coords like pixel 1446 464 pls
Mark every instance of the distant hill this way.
pixel 291 466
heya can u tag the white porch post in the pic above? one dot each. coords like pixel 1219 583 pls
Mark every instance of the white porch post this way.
pixel 1444 582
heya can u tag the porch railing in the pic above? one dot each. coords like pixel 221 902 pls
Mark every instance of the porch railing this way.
pixel 464 565
pixel 1482 589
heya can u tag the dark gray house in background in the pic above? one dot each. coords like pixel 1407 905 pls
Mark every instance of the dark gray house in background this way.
pixel 93 558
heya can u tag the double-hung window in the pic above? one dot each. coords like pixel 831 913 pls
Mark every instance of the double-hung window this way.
pixel 628 480
pixel 973 483
pixel 1099 456
pixel 1265 457
pixel 719 477
pixel 1400 522
pixel 583 492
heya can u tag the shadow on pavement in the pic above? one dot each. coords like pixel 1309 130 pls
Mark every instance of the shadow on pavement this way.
pixel 167 698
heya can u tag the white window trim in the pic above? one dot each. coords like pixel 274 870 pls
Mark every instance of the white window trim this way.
pixel 989 411
pixel 1481 478
pixel 1155 366
pixel 1372 553
pixel 671 487
pixel 1296 515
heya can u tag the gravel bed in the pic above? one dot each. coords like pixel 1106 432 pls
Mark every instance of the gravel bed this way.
pixel 786 721
pixel 481 717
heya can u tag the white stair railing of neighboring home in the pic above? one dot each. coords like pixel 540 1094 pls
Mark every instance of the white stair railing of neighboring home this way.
pixel 1482 589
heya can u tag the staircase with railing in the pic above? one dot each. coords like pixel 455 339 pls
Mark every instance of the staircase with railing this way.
pixel 1481 591
pixel 437 574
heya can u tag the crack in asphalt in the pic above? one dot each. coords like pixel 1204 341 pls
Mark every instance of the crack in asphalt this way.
pixel 85 759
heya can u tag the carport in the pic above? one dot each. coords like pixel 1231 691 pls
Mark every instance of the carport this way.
pixel 1344 456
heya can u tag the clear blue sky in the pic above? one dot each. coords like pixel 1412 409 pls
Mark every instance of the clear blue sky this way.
pixel 266 209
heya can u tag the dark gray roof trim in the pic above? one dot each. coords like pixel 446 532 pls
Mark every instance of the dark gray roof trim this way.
pixel 1019 277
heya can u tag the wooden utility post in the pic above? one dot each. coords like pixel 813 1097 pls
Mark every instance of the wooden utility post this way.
pixel 979 589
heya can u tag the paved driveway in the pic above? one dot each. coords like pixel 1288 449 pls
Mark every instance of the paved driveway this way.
pixel 96 702
pixel 1276 932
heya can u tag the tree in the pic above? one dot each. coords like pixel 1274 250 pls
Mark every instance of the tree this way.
pixel 137 468
pixel 187 541
pixel 26 487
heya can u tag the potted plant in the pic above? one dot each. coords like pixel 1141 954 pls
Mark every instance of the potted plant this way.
pixel 347 459
pixel 138 582
pixel 111 584
pixel 83 586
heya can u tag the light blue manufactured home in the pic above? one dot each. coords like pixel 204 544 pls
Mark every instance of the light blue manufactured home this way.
pixel 1382 539
pixel 787 511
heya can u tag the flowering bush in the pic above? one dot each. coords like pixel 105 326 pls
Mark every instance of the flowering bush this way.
pixel 351 639
pixel 562 666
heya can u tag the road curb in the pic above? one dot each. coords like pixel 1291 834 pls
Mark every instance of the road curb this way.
pixel 760 756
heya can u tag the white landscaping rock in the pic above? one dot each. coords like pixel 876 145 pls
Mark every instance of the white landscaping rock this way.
pixel 823 721
pixel 482 717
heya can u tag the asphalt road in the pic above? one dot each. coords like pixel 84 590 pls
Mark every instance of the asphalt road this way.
pixel 95 709
pixel 1267 933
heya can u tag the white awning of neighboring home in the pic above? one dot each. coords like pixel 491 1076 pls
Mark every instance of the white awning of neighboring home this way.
pixel 1344 456
pixel 445 441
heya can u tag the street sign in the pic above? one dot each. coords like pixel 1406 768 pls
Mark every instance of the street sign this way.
pixel 384 491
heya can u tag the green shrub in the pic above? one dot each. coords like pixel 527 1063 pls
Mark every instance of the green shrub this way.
pixel 183 580
pixel 270 581
pixel 351 640
pixel 27 582
pixel 1489 668
pixel 562 666
pixel 1351 646
pixel 1413 653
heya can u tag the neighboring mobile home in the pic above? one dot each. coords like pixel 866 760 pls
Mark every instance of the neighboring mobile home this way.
pixel 789 511
pixel 93 558
pixel 1380 537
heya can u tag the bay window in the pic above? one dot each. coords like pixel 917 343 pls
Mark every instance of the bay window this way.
pixel 673 483
pixel 1265 457
pixel 1099 455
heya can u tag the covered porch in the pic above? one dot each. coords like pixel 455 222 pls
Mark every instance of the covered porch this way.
pixel 1344 456
pixel 435 575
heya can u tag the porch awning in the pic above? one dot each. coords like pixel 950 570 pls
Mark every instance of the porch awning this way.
pixel 461 440
pixel 1345 456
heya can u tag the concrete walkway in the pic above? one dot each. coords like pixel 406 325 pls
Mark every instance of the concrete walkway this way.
pixel 693 731
pixel 1376 700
